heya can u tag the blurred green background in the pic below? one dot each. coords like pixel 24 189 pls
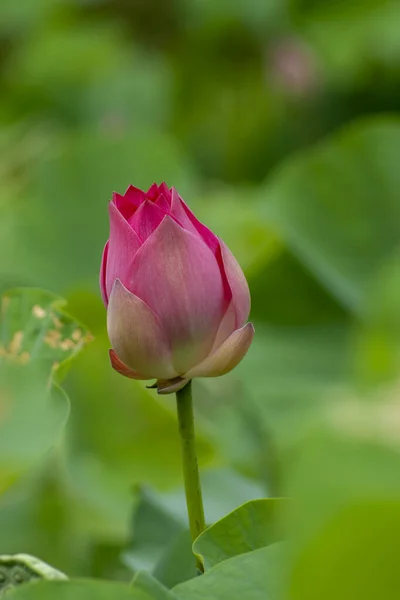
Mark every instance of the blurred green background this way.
pixel 276 120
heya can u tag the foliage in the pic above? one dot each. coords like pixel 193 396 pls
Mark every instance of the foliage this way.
pixel 278 123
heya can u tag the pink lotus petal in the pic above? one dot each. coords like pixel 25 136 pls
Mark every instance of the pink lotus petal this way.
pixel 227 286
pixel 238 284
pixel 171 385
pixel 124 206
pixel 116 198
pixel 134 195
pixel 121 367
pixel 227 356
pixel 179 213
pixel 153 192
pixel 136 335
pixel 146 219
pixel 165 191
pixel 162 203
pixel 213 243
pixel 103 269
pixel 226 327
pixel 123 245
pixel 177 275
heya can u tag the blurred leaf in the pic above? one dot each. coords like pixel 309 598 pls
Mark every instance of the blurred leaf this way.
pixel 231 105
pixel 346 504
pixel 153 530
pixel 85 167
pixel 353 556
pixel 223 489
pixel 60 56
pixel 251 240
pixel 377 357
pixel 302 357
pixel 177 563
pixel 324 203
pixel 295 297
pixel 31 420
pixel 130 95
pixel 104 559
pixel 15 17
pixel 120 435
pixel 145 582
pixel 349 461
pixel 249 527
pixel 275 395
pixel 256 575
pixel 38 341
pixel 253 13
pixel 38 516
pixel 350 36
pixel 89 307
pixel 98 94
pixel 78 590
pixel 89 74
pixel 160 542
pixel 35 328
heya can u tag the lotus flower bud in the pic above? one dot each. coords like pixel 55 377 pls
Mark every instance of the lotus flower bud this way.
pixel 177 300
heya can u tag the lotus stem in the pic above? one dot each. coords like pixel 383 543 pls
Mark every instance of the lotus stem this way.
pixel 191 476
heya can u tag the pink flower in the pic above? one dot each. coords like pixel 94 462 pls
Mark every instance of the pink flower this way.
pixel 177 300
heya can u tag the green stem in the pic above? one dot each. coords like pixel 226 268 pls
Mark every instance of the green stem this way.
pixel 191 477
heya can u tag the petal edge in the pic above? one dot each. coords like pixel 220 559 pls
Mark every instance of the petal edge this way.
pixel 123 244
pixel 238 285
pixel 171 386
pixel 227 356
pixel 121 367
pixel 103 286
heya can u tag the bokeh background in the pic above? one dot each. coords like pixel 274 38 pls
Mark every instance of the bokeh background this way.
pixel 277 121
